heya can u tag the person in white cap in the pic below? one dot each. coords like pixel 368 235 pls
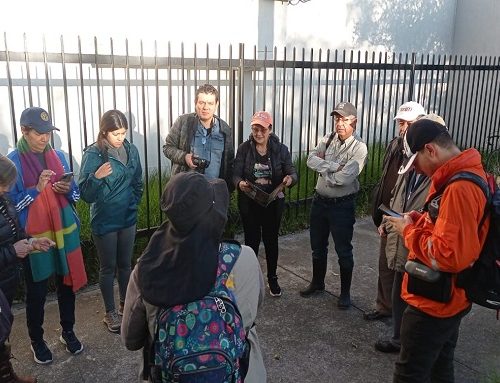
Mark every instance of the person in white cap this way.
pixel 339 158
pixel 448 241
pixel 393 158
pixel 409 193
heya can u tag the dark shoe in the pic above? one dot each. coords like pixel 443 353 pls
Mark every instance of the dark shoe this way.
pixel 311 290
pixel 344 301
pixel 7 374
pixel 386 346
pixel 41 353
pixel 113 321
pixel 274 287
pixel 73 345
pixel 375 315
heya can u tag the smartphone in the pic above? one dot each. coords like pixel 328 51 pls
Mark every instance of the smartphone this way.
pixel 66 177
pixel 389 212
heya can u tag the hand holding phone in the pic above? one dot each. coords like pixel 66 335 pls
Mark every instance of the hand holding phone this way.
pixel 389 212
pixel 66 177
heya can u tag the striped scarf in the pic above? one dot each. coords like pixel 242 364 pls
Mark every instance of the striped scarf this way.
pixel 51 215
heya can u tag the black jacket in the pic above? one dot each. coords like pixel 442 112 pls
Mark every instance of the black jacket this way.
pixel 178 144
pixel 10 233
pixel 382 193
pixel 281 163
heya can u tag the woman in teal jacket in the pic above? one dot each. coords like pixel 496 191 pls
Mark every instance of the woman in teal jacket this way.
pixel 111 182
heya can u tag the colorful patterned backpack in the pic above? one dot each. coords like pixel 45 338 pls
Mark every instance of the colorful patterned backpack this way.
pixel 202 341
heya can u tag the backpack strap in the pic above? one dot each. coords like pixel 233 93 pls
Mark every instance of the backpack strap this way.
pixel 467 176
pixel 229 252
pixel 330 139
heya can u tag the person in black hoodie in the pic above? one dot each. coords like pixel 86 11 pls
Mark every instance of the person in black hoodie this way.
pixel 14 246
pixel 263 162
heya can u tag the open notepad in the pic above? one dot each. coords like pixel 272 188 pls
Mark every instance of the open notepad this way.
pixel 261 197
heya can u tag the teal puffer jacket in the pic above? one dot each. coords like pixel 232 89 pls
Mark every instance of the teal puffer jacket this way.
pixel 114 199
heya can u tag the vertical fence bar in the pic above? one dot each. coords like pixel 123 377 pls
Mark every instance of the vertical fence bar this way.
pixel 207 65
pixel 183 81
pixel 283 94
pixel 28 73
pixel 444 74
pixel 170 85
pixel 473 103
pixel 145 136
pixel 449 71
pixel 326 110
pixel 158 135
pixel 47 81
pixel 292 102
pixel 375 117
pixel 369 125
pixel 97 78
pixel 241 87
pixel 113 79
pixel 254 80
pixel 466 113
pixel 82 93
pixel 129 96
pixel 195 67
pixel 390 134
pixel 11 93
pixel 459 83
pixel 232 93
pixel 66 103
pixel 264 80
pixel 274 85
pixel 218 74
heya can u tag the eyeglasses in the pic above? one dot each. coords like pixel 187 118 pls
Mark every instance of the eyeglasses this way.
pixel 259 129
pixel 342 120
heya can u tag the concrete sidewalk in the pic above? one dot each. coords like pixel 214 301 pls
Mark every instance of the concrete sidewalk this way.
pixel 303 340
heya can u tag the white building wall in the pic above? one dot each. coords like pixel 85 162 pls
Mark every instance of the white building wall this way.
pixel 477 28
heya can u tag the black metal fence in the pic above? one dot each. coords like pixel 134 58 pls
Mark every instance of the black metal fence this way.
pixel 298 87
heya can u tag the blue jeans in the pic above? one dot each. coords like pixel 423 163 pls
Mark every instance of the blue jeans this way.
pixel 427 347
pixel 335 217
pixel 36 294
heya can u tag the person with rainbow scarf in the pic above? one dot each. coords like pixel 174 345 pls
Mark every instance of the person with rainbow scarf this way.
pixel 44 203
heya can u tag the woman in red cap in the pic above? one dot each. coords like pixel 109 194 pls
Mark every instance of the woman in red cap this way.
pixel 263 165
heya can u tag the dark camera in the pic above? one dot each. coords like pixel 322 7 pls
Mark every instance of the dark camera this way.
pixel 201 164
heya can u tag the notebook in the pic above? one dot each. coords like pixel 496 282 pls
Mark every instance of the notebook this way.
pixel 261 197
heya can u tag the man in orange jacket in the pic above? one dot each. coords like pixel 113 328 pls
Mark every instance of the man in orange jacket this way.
pixel 448 243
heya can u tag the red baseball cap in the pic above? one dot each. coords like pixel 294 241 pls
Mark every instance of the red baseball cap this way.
pixel 262 118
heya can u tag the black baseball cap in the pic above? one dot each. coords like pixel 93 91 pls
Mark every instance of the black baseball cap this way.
pixel 420 133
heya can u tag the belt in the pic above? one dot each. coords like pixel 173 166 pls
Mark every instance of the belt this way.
pixel 347 197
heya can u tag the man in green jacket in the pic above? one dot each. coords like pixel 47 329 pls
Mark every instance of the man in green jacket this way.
pixel 202 141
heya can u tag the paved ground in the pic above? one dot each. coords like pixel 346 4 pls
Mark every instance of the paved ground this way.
pixel 303 340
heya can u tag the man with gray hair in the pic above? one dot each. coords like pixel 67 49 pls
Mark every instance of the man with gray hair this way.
pixel 338 159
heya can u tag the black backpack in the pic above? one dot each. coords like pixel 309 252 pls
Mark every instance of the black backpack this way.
pixel 481 281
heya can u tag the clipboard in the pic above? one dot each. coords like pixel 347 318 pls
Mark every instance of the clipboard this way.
pixel 261 197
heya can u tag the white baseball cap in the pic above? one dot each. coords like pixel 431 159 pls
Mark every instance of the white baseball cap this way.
pixel 410 111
